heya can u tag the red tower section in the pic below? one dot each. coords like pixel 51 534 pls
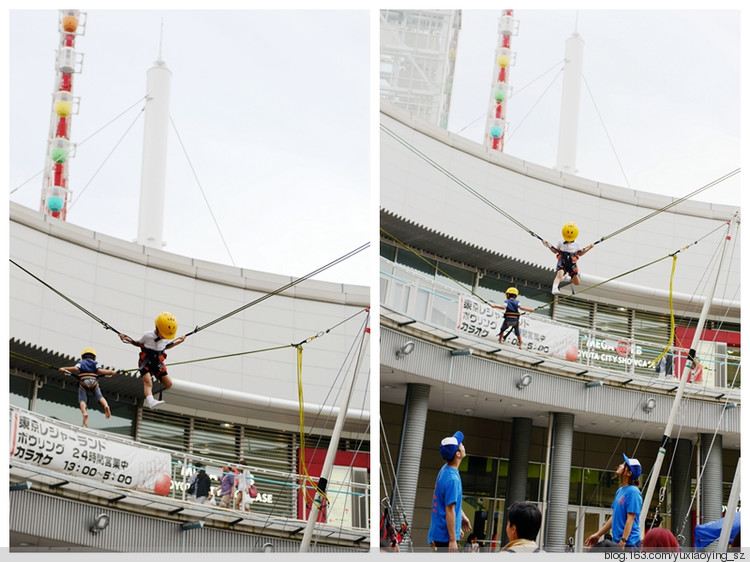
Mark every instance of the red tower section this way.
pixel 496 121
pixel 59 149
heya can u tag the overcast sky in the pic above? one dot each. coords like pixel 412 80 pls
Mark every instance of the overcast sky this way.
pixel 272 109
pixel 664 86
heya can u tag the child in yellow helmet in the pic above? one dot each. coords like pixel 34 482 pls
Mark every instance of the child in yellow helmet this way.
pixel 512 310
pixel 87 371
pixel 153 345
pixel 568 251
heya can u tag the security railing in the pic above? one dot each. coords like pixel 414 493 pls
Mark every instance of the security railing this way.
pixel 409 293
pixel 98 460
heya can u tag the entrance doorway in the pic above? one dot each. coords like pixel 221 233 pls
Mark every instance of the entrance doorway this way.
pixel 583 522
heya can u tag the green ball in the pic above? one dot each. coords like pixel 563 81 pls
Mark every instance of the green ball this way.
pixel 59 155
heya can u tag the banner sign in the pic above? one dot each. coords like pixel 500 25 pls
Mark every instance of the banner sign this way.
pixel 39 441
pixel 615 352
pixel 480 320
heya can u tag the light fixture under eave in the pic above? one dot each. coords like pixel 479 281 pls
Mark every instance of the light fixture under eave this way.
pixel 467 351
pixel 649 405
pixel 524 382
pixel 192 525
pixel 26 485
pixel 594 384
pixel 101 523
pixel 405 349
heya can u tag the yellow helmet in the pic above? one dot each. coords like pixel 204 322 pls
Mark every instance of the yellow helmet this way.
pixel 89 351
pixel 511 291
pixel 570 231
pixel 166 325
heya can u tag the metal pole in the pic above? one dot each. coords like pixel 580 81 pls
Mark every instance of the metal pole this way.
pixel 543 529
pixel 689 363
pixel 734 495
pixel 325 472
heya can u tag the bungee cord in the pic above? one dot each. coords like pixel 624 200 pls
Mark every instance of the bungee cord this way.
pixel 518 223
pixel 200 188
pixel 456 281
pixel 68 299
pixel 208 324
pixel 106 158
pixel 86 139
pixel 669 206
pixel 644 266
pixel 280 289
pixel 359 343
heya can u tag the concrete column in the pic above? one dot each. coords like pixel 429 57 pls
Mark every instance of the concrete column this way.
pixel 711 489
pixel 410 452
pixel 518 469
pixel 681 479
pixel 559 489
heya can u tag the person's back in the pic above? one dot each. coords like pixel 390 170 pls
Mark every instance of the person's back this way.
pixel 202 484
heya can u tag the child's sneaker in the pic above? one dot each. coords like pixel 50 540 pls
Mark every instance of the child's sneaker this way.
pixel 555 290
pixel 566 278
pixel 152 402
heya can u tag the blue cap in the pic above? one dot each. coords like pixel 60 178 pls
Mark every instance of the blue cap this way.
pixel 449 445
pixel 634 466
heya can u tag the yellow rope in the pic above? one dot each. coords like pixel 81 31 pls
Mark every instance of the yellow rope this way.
pixel 671 313
pixel 302 426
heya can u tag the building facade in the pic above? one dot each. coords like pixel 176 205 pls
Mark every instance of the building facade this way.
pixel 548 423
pixel 239 397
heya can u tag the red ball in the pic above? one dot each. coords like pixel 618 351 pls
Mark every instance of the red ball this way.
pixel 162 484
pixel 572 353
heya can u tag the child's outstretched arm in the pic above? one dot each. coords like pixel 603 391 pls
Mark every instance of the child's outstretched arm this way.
pixel 106 372
pixel 500 306
pixel 127 339
pixel 175 342
pixel 526 309
pixel 586 249
pixel 551 248
pixel 68 370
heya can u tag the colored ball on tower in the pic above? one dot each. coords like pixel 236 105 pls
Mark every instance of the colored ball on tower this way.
pixel 59 155
pixel 503 57
pixel 496 131
pixel 70 24
pixel 500 93
pixel 63 108
pixel 55 204
pixel 570 231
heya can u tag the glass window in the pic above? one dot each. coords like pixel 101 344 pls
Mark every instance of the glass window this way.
pixel 448 275
pixel 217 440
pixel 574 312
pixel 598 488
pixel 20 392
pixel 733 367
pixel 478 476
pixel 407 258
pixel 612 320
pixel 268 448
pixel 574 497
pixel 163 429
pixel 62 404
pixel 535 482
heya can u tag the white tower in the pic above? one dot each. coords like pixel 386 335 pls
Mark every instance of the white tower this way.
pixel 154 162
pixel 567 144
